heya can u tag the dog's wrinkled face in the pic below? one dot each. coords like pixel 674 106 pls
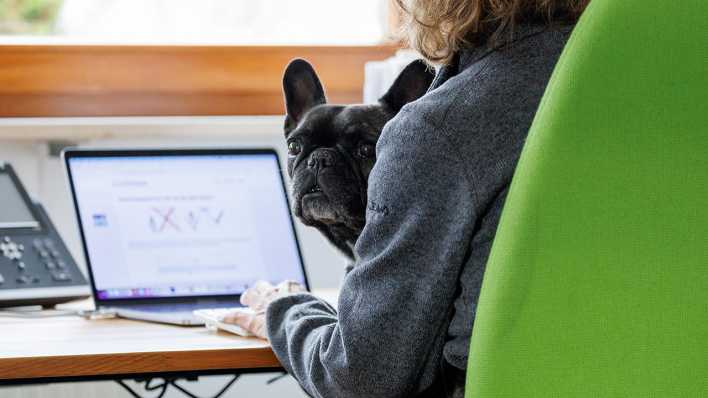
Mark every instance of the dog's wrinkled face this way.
pixel 330 158
pixel 332 148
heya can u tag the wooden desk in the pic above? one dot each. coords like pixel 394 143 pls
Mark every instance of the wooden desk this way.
pixel 71 348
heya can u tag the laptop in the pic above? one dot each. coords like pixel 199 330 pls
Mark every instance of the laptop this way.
pixel 169 231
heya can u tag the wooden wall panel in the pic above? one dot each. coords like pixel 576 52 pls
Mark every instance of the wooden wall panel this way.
pixel 85 80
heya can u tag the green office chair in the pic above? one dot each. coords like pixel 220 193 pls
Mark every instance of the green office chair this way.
pixel 597 284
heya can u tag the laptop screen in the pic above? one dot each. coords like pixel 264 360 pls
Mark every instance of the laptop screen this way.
pixel 178 225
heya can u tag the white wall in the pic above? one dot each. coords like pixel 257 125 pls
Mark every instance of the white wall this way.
pixel 27 150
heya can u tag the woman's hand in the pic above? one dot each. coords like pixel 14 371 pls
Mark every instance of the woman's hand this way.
pixel 257 298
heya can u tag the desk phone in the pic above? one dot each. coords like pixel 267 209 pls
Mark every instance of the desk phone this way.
pixel 36 268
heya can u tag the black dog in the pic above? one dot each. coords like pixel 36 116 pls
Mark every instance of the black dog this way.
pixel 332 148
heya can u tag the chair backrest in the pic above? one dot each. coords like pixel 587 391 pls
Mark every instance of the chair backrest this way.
pixel 597 283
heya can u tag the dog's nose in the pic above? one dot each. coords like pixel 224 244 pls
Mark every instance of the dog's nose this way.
pixel 322 158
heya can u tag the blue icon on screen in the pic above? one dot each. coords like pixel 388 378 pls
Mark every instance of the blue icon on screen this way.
pixel 100 220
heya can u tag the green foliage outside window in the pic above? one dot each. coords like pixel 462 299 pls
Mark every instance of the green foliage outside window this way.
pixel 26 17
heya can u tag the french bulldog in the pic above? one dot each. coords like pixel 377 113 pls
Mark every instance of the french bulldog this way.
pixel 332 148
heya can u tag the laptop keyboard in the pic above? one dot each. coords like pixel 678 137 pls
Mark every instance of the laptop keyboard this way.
pixel 181 307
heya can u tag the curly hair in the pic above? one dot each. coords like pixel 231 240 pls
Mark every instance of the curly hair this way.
pixel 439 28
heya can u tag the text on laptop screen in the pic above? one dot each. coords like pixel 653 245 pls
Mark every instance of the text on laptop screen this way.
pixel 186 225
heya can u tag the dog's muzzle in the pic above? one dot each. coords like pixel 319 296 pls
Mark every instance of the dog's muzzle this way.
pixel 322 158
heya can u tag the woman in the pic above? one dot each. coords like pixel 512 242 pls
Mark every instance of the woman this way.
pixel 444 165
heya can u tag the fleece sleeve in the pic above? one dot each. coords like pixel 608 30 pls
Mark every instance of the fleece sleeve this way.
pixel 387 337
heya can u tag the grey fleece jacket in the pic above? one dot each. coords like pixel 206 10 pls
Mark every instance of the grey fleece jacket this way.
pixel 443 167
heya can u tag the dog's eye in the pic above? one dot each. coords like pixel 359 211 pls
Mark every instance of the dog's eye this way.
pixel 294 148
pixel 367 150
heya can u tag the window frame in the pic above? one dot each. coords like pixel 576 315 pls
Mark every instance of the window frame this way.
pixel 63 80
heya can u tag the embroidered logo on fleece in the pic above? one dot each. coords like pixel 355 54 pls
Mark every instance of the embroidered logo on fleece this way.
pixel 377 208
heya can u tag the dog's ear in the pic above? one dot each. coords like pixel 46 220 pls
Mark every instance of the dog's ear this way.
pixel 303 91
pixel 410 85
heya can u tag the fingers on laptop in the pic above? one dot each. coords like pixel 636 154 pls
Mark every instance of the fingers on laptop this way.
pixel 263 293
pixel 290 287
pixel 256 296
pixel 252 322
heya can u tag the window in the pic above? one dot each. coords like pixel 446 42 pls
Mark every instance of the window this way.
pixel 180 57
pixel 233 22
